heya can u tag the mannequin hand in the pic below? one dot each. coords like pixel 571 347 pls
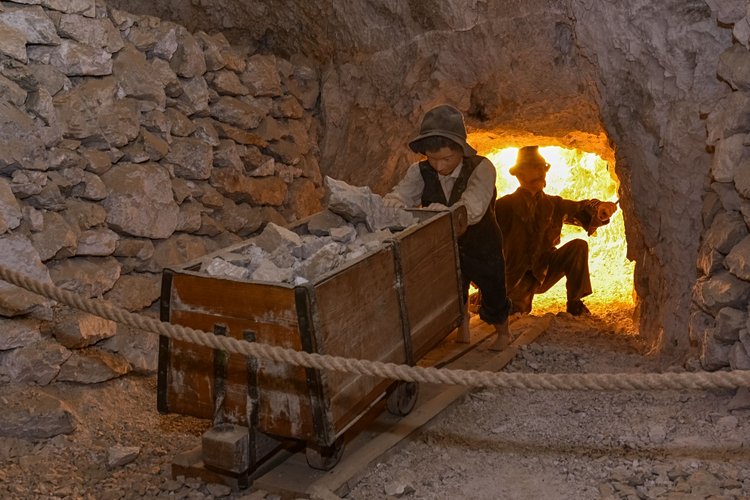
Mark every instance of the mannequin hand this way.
pixel 605 210
pixel 392 202
pixel 436 207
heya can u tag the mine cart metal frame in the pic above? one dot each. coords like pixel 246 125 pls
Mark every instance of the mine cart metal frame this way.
pixel 393 304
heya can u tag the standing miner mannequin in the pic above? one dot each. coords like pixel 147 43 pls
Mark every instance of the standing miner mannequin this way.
pixel 451 173
pixel 531 222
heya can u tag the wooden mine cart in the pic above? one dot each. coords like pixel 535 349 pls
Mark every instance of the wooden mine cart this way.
pixel 392 305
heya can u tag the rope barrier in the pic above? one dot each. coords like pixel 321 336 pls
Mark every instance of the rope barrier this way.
pixel 471 378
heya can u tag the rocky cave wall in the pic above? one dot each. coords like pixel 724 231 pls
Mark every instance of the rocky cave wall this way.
pixel 637 79
pixel 129 144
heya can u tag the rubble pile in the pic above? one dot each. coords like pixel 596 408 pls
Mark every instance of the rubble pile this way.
pixel 355 223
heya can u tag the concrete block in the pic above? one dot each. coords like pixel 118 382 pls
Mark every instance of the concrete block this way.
pixel 227 447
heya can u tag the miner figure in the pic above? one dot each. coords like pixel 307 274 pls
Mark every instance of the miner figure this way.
pixel 450 173
pixel 531 222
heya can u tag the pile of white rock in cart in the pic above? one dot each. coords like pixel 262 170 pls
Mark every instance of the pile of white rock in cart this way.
pixel 354 224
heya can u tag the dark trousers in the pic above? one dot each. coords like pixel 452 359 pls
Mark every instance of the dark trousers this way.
pixel 570 260
pixel 489 276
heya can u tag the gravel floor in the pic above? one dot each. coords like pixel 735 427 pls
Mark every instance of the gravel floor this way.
pixel 491 444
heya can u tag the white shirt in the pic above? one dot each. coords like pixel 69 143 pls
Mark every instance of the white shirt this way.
pixel 477 196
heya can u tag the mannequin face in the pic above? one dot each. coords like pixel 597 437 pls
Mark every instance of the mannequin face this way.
pixel 445 160
pixel 532 179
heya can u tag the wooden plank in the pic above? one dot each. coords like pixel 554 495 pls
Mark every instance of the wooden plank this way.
pixel 358 316
pixel 430 281
pixel 384 431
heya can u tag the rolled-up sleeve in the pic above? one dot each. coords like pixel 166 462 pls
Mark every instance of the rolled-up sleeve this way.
pixel 409 190
pixel 479 191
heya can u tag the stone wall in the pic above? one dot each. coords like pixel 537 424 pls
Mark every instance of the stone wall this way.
pixel 719 322
pixel 634 76
pixel 128 144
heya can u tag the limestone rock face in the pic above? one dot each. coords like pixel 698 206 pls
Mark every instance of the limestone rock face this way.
pixel 138 203
pixel 577 74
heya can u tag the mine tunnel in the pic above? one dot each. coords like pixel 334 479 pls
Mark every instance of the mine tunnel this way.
pixel 140 136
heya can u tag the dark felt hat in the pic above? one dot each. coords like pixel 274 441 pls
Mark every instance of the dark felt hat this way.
pixel 444 121
pixel 528 157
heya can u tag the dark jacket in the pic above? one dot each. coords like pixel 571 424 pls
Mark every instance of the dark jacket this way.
pixel 531 227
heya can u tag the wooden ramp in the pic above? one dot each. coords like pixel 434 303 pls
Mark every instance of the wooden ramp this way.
pixel 378 432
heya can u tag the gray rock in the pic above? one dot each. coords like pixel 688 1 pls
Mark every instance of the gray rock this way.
pixel 33 23
pixel 721 290
pixel 275 237
pixel 138 204
pixel 194 96
pixel 180 125
pixel 731 116
pixel 193 158
pixel 714 354
pixel 245 114
pixel 266 270
pixel 738 259
pixel 37 363
pixel 135 291
pixel 188 60
pixel 139 348
pixel 742 179
pixel 741 399
pixel 12 91
pixel 739 357
pixel 323 261
pixel 729 322
pixel 20 145
pixel 321 223
pixel 88 276
pixel 73 58
pixel 98 32
pixel 117 456
pixel 212 49
pixel 344 234
pixel 710 260
pixel 10 210
pixel 220 267
pixel 35 415
pixel 97 242
pixel 92 366
pixel 91 113
pixel 734 67
pixel 17 253
pixel 18 333
pixel 14 42
pixel 57 237
pixel 135 77
pixel 227 83
pixel 360 204
pixel 84 214
pixel 76 329
pixel 727 230
pixel 261 76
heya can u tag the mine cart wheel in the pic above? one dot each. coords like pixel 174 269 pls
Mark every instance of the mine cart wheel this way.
pixel 324 457
pixel 402 398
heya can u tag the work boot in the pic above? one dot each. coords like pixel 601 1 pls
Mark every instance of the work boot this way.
pixel 503 337
pixel 578 308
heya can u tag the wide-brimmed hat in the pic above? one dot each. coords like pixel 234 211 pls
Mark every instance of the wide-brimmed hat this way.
pixel 444 121
pixel 528 157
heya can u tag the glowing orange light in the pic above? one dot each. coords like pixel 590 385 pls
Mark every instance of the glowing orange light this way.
pixel 576 175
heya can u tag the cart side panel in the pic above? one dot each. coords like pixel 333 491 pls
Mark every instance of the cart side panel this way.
pixel 202 302
pixel 359 317
pixel 430 277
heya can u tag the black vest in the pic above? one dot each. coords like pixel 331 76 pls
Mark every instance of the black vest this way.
pixel 482 239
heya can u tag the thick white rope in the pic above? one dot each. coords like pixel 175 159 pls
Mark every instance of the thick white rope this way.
pixel 471 378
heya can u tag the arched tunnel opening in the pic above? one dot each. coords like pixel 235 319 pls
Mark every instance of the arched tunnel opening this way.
pixel 579 175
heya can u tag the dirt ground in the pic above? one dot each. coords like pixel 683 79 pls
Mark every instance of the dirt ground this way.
pixel 491 444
